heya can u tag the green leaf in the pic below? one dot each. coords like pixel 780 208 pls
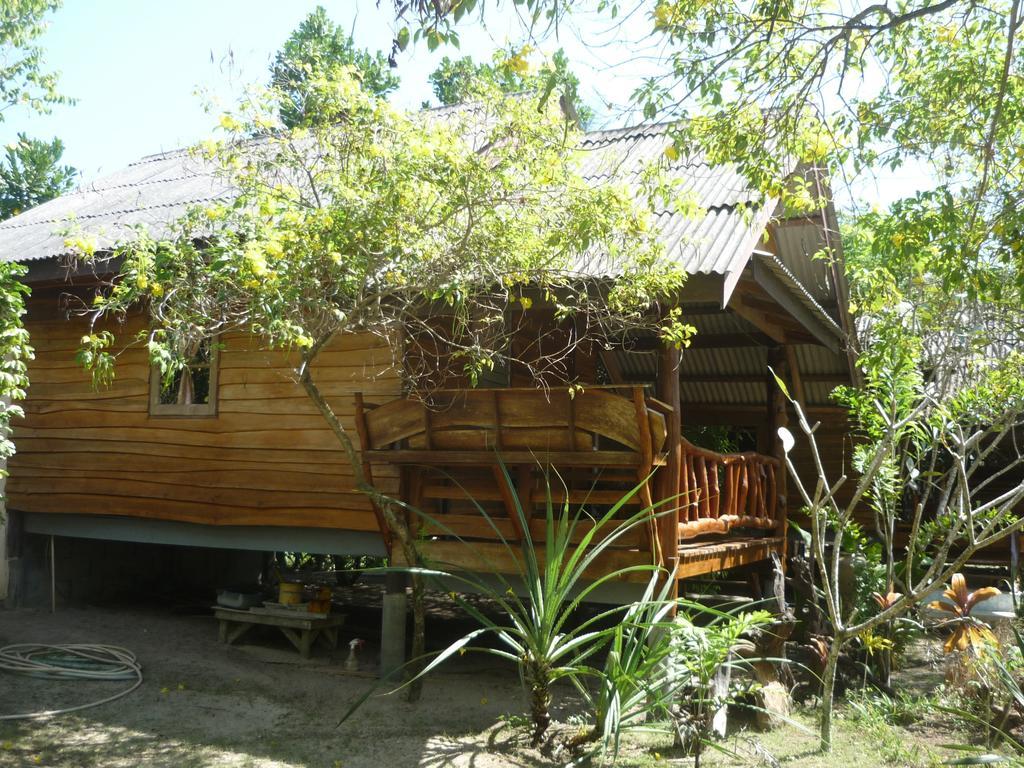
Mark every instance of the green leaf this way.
pixel 781 384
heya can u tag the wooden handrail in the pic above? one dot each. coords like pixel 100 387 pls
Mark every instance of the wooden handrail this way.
pixel 721 491
pixel 521 419
pixel 607 439
pixel 559 388
pixel 727 458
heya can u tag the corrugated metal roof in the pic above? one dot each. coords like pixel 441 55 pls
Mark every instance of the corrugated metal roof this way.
pixel 158 189
pixel 821 369
pixel 734 216
pixel 781 269
pixel 798 240
pixel 153 192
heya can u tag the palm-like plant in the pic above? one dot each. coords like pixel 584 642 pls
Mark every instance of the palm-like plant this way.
pixel 651 660
pixel 887 600
pixel 635 679
pixel 533 630
pixel 700 651
pixel 969 633
pixel 659 667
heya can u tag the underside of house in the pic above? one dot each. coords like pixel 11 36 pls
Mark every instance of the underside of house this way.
pixel 692 430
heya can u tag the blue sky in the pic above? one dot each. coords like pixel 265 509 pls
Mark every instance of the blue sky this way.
pixel 134 67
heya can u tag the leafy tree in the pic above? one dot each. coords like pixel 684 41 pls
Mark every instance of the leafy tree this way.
pixel 31 174
pixel 927 85
pixel 455 80
pixel 22 81
pixel 438 236
pixel 310 55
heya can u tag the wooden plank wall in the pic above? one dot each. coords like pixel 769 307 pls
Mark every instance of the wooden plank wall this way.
pixel 267 458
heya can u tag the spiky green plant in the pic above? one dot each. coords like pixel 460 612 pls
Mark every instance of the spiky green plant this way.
pixel 620 660
pixel 533 628
pixel 635 680
pixel 658 669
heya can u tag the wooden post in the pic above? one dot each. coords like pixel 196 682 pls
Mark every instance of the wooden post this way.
pixel 669 485
pixel 771 645
pixel 10 553
pixel 5 546
pixel 364 446
pixel 778 416
pixel 7 542
pixel 393 621
pixel 794 376
pixel 53 576
pixel 651 538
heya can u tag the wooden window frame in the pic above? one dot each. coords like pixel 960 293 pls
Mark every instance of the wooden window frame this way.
pixel 186 410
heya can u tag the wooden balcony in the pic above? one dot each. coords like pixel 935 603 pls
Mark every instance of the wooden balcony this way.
pixel 590 448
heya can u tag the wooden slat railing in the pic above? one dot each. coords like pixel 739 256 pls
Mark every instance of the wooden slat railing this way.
pixel 458 446
pixel 722 491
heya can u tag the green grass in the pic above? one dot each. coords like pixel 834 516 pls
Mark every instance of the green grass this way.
pixel 863 739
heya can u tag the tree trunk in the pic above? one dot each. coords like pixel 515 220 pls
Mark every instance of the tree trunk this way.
pixel 396 524
pixel 540 705
pixel 828 680
pixel 885 673
pixel 419 635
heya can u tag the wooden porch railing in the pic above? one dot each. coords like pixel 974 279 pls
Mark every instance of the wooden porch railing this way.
pixel 721 491
pixel 459 446
pixel 603 444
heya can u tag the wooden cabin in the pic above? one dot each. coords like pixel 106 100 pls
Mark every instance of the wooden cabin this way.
pixel 242 458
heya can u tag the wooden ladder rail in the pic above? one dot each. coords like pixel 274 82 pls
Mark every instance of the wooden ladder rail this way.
pixel 365 445
pixel 517 497
pixel 643 475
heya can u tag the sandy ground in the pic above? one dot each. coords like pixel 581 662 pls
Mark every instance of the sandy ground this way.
pixel 253 704
pixel 259 704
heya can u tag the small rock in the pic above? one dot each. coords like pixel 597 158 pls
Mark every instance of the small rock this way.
pixel 774 706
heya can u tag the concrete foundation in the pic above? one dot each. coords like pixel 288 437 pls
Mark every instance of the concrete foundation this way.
pixel 393 626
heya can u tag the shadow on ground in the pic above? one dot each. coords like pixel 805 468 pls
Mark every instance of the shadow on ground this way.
pixel 257 704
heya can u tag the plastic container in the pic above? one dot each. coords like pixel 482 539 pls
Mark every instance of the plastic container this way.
pixel 289 592
pixel 231 598
pixel 321 601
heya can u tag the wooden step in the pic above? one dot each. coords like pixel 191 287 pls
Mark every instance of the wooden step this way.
pixel 480 492
pixel 698 558
pixel 501 529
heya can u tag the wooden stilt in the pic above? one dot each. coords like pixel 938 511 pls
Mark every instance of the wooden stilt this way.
pixel 670 485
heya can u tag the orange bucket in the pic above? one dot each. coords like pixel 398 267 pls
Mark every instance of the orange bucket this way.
pixel 322 602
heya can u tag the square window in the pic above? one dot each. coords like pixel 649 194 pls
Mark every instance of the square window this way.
pixel 192 391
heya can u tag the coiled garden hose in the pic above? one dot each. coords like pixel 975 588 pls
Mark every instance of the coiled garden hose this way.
pixel 71 662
